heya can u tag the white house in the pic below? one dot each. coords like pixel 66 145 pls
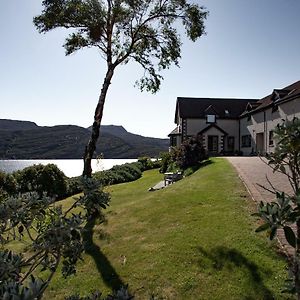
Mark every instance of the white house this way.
pixel 229 126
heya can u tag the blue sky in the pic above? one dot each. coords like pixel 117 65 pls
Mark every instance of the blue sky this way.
pixel 251 47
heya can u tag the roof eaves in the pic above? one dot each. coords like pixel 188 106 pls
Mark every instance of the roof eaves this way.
pixel 210 126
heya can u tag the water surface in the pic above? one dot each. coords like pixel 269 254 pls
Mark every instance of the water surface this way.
pixel 71 167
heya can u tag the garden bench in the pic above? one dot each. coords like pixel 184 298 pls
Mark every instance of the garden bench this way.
pixel 171 177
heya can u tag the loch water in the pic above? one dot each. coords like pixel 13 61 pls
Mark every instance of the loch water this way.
pixel 71 167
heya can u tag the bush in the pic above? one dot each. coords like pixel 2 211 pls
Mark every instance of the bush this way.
pixel 49 179
pixel 74 185
pixel 284 212
pixel 146 162
pixel 166 159
pixel 120 174
pixel 54 236
pixel 190 153
pixel 8 184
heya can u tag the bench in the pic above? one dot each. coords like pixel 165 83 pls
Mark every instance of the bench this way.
pixel 171 177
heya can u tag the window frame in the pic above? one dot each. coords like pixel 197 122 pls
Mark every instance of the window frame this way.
pixel 246 141
pixel 210 121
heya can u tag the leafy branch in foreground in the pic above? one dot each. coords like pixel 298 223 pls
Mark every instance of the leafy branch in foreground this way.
pixel 285 212
pixel 54 237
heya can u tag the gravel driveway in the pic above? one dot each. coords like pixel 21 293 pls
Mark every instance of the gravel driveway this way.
pixel 254 171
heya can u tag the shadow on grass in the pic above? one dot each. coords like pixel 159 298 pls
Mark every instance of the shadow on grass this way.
pixel 190 170
pixel 222 257
pixel 205 163
pixel 104 267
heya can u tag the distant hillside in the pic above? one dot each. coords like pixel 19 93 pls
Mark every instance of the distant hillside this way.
pixel 135 140
pixel 16 125
pixel 26 140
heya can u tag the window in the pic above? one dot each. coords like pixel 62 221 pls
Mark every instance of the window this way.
pixel 173 141
pixel 246 140
pixel 230 143
pixel 211 119
pixel 271 138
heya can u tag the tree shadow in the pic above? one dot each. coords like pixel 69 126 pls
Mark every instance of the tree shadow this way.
pixel 104 267
pixel 222 257
pixel 202 164
pixel 206 163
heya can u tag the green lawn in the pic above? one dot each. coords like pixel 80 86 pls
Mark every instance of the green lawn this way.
pixel 192 240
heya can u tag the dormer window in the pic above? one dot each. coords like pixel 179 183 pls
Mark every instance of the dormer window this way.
pixel 211 119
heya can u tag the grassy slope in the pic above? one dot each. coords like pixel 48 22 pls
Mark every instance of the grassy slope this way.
pixel 193 240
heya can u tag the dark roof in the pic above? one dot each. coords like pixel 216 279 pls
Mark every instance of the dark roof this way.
pixel 176 131
pixel 279 95
pixel 200 107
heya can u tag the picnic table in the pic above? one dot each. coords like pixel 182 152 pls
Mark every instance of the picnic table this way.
pixel 171 177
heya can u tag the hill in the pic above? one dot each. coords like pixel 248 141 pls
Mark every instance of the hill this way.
pixel 16 125
pixel 26 140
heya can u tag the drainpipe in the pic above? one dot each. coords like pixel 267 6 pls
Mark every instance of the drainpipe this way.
pixel 239 143
pixel 265 132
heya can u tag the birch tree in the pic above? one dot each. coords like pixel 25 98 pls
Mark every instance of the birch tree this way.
pixel 143 31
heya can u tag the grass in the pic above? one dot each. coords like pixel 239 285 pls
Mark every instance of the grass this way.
pixel 192 240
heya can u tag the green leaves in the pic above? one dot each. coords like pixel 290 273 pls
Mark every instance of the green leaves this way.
pixel 55 236
pixel 143 31
pixel 262 227
pixel 285 212
pixel 278 214
pixel 290 236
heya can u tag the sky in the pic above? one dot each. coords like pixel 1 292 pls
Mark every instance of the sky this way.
pixel 250 48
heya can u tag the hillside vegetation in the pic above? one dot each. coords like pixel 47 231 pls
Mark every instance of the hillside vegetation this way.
pixel 26 140
pixel 192 240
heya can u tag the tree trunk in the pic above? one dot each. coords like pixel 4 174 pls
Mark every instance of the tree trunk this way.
pixel 91 146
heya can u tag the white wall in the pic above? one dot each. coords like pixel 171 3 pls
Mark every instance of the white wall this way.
pixel 194 126
pixel 266 121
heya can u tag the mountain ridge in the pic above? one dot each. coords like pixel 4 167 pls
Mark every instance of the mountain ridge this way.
pixel 69 141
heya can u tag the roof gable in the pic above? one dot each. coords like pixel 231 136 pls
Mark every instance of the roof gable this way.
pixel 210 110
pixel 279 95
pixel 211 126
pixel 200 107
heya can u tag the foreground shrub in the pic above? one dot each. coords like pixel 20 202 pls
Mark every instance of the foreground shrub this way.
pixel 47 179
pixel 121 294
pixel 285 211
pixel 54 238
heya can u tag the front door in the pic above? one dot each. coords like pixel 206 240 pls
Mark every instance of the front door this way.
pixel 260 145
pixel 230 144
pixel 213 143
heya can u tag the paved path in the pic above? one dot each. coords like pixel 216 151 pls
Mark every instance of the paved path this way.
pixel 254 171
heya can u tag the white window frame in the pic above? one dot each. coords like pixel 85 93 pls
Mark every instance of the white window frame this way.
pixel 211 119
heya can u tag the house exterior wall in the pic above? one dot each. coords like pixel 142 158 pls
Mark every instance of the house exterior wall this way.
pixel 253 133
pixel 261 123
pixel 231 126
pixel 246 129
